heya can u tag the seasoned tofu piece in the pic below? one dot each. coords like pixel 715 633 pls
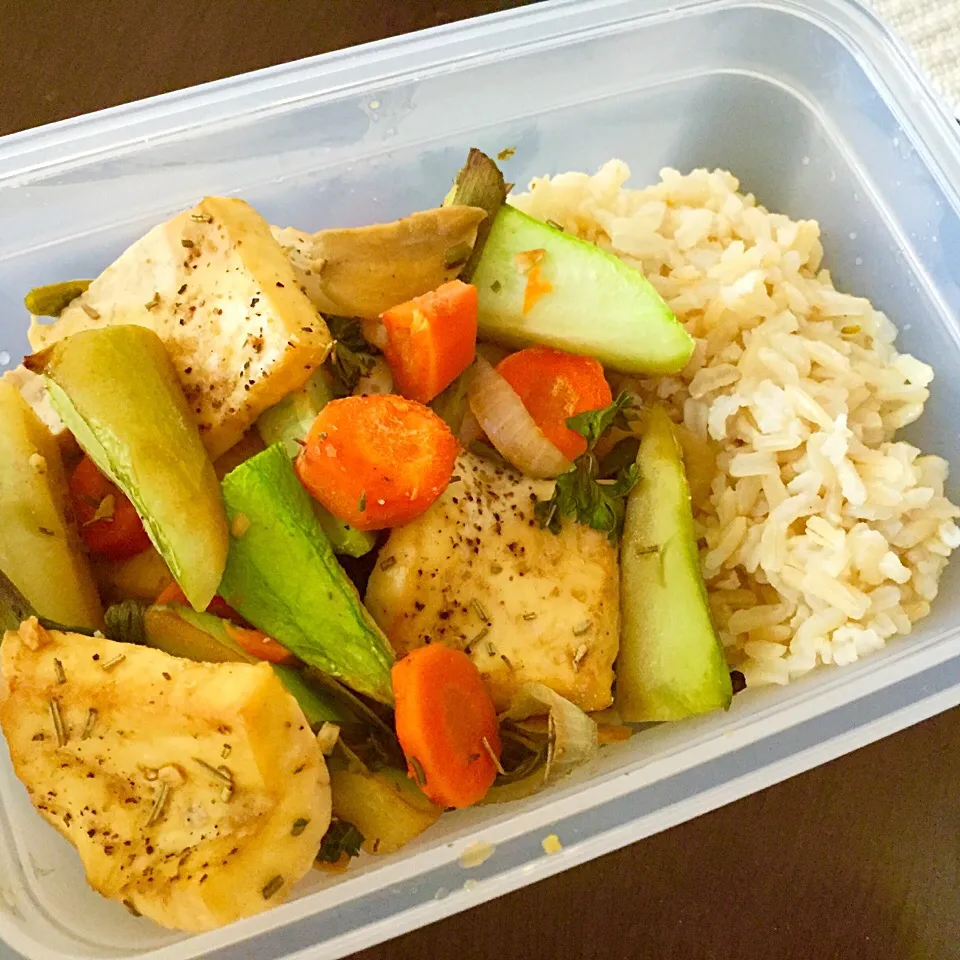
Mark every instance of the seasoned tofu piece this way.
pixel 477 572
pixel 219 291
pixel 194 793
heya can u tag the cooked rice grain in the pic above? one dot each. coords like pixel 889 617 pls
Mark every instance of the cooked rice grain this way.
pixel 821 535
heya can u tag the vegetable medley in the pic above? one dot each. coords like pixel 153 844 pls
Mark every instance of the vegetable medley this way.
pixel 307 539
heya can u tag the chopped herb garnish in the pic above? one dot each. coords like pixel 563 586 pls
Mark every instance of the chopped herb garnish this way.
pixel 108 665
pixel 495 286
pixel 351 357
pixel 362 505
pixel 221 774
pixel 341 838
pixel 298 827
pixel 530 616
pixel 385 565
pixel 58 670
pixel 272 887
pixel 581 652
pixel 159 802
pixel 104 511
pixel 480 610
pixel 57 719
pixel 579 494
pixel 90 724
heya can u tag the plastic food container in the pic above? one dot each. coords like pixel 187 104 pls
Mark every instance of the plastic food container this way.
pixel 812 104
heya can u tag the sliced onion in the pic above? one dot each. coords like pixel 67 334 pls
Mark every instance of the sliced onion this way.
pixel 573 741
pixel 470 429
pixel 509 426
pixel 374 332
pixel 574 734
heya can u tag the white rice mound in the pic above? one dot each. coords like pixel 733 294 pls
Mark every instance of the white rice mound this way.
pixel 821 534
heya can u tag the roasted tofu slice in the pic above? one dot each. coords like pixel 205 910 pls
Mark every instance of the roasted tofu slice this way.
pixel 219 291
pixel 363 271
pixel 477 572
pixel 195 793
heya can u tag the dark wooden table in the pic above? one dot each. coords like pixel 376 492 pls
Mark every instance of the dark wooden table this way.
pixel 858 859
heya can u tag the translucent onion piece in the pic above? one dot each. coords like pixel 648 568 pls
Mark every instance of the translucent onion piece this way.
pixel 509 426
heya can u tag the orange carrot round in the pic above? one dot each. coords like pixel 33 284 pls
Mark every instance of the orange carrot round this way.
pixel 554 386
pixel 377 461
pixel 219 607
pixel 116 532
pixel 431 339
pixel 446 724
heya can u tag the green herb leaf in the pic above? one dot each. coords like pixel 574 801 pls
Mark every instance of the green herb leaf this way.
pixel 341 838
pixel 351 357
pixel 622 455
pixel 592 493
pixel 594 423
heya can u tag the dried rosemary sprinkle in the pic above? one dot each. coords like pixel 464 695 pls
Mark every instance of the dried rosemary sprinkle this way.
pixel 479 609
pixel 89 311
pixel 153 303
pixel 58 670
pixel 58 727
pixel 479 637
pixel 491 650
pixel 385 565
pixel 186 243
pixel 529 616
pixel 272 887
pixel 201 218
pixel 581 628
pixel 226 794
pixel 132 909
pixel 115 662
pixel 418 773
pixel 362 505
pixel 221 774
pixel 298 827
pixel 493 756
pixel 89 725
pixel 226 751
pixel 579 655
pixel 159 802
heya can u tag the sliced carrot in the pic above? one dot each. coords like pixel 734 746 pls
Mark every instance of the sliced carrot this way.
pixel 217 606
pixel 377 461
pixel 431 339
pixel 259 645
pixel 612 733
pixel 172 593
pixel 554 386
pixel 446 724
pixel 109 524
